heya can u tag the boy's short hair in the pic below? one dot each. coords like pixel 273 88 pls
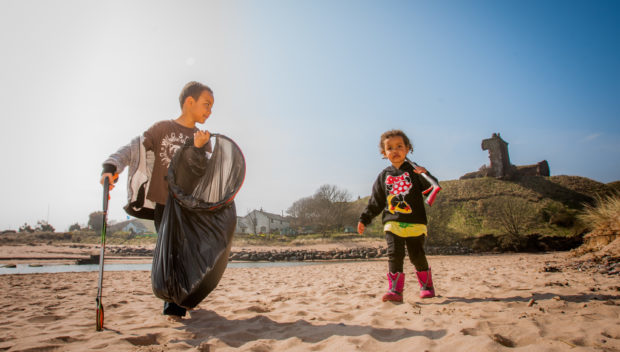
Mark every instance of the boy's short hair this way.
pixel 395 133
pixel 193 89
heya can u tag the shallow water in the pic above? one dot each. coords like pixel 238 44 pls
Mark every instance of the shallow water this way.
pixel 67 268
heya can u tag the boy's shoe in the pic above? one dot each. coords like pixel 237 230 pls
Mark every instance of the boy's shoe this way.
pixel 172 309
pixel 426 284
pixel 397 284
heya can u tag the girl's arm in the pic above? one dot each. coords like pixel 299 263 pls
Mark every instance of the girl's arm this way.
pixel 425 183
pixel 376 203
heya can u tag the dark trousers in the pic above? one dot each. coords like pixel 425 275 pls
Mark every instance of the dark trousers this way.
pixel 170 308
pixel 396 252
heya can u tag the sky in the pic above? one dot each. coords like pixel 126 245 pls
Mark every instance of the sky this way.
pixel 304 87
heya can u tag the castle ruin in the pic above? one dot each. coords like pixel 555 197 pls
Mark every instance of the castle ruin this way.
pixel 500 166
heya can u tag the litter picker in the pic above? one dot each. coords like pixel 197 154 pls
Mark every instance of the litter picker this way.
pixel 106 197
pixel 433 190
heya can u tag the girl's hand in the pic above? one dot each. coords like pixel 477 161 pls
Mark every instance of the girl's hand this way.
pixel 201 138
pixel 360 228
pixel 419 169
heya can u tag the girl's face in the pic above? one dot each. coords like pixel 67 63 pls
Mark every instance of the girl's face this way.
pixel 395 149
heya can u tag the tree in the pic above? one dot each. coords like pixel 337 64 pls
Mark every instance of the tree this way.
pixel 75 227
pixel 42 225
pixel 514 217
pixel 327 210
pixel 303 212
pixel 332 206
pixel 95 220
pixel 26 228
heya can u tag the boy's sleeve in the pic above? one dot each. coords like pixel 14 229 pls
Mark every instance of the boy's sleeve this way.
pixel 117 162
pixel 376 203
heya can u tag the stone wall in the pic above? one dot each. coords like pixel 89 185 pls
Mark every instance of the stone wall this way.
pixel 500 166
pixel 498 155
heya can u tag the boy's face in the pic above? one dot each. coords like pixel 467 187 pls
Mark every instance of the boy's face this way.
pixel 395 149
pixel 201 108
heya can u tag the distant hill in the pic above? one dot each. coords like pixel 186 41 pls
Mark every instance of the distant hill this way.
pixel 615 185
pixel 534 204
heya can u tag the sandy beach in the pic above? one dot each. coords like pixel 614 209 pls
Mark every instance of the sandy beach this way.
pixel 533 302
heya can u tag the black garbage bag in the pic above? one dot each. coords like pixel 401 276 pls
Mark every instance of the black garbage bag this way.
pixel 197 227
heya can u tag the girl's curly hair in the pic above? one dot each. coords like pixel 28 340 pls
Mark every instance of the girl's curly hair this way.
pixel 395 133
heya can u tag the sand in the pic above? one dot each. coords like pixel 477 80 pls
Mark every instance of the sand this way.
pixel 526 302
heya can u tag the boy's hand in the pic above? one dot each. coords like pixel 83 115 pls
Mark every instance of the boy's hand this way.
pixel 111 179
pixel 419 169
pixel 360 228
pixel 201 138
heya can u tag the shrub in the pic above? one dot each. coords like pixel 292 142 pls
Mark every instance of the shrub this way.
pixel 604 215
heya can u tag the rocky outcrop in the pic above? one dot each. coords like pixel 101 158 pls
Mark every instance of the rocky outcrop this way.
pixel 290 255
pixel 500 166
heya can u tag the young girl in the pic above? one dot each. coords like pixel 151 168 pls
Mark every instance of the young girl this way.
pixel 398 193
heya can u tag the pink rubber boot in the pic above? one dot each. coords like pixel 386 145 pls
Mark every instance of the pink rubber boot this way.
pixel 397 284
pixel 426 284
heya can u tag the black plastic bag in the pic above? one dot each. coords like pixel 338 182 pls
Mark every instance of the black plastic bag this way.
pixel 197 227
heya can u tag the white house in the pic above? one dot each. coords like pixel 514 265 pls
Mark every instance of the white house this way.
pixel 259 221
pixel 242 227
pixel 137 226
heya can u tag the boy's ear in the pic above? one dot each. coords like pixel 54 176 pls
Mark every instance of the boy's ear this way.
pixel 189 100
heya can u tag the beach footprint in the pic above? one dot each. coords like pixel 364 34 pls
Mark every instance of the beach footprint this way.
pixel 44 319
pixel 145 340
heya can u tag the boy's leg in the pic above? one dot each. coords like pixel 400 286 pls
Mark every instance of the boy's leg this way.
pixel 159 214
pixel 170 308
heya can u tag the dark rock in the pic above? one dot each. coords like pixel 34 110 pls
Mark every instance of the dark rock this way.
pixel 94 259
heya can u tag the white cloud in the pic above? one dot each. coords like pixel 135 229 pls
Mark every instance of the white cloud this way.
pixel 591 137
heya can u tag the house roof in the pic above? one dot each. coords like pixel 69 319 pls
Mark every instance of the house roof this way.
pixel 271 215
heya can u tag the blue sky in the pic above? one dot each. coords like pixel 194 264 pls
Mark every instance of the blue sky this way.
pixel 305 88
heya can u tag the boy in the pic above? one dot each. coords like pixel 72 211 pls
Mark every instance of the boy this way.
pixel 148 157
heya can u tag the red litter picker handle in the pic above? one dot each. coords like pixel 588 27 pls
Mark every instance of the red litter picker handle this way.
pixel 433 190
pixel 104 225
